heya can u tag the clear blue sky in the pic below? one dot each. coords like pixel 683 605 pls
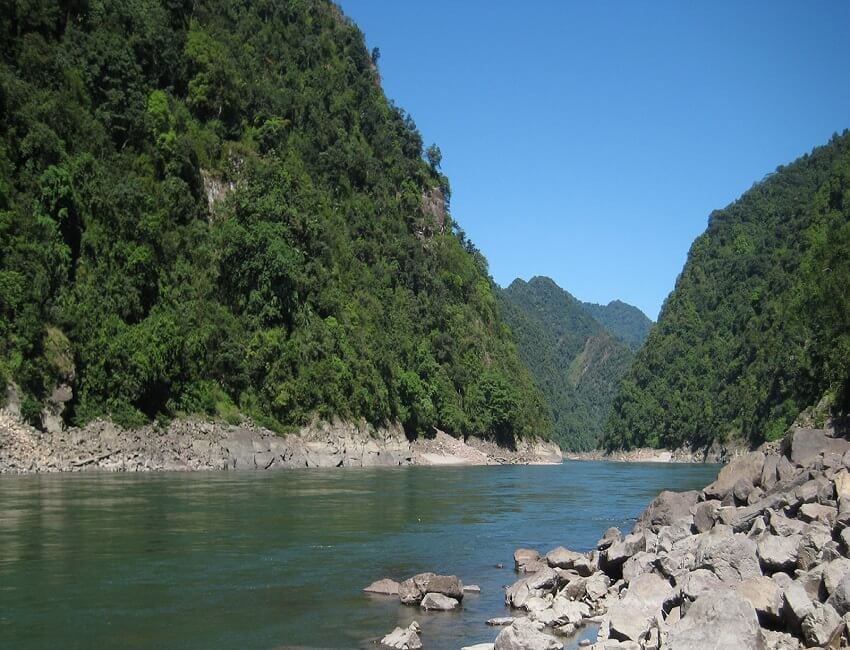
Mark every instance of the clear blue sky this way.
pixel 589 141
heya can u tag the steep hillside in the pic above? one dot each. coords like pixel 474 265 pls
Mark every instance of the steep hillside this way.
pixel 627 323
pixel 575 361
pixel 211 207
pixel 758 325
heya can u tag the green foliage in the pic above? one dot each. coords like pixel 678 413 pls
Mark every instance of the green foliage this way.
pixel 625 322
pixel 311 288
pixel 575 362
pixel 758 325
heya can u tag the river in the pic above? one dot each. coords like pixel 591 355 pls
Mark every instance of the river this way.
pixel 278 559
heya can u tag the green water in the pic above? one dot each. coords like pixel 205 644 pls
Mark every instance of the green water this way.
pixel 278 559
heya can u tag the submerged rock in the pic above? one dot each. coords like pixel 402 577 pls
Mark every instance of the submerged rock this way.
pixel 385 587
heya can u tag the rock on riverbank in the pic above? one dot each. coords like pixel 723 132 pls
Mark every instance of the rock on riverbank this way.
pixel 186 445
pixel 757 559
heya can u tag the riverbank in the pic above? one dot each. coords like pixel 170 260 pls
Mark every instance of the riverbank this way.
pixel 760 558
pixel 716 453
pixel 194 445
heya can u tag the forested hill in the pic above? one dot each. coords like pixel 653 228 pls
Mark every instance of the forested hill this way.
pixel 627 323
pixel 211 207
pixel 758 325
pixel 576 362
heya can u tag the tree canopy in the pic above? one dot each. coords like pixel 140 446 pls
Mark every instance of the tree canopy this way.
pixel 758 325
pixel 214 208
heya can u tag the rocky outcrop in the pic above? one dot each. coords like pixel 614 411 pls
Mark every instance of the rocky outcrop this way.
pixel 758 559
pixel 185 445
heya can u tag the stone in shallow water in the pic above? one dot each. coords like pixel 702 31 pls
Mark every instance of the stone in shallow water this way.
pixel 385 587
pixel 403 638
pixel 438 602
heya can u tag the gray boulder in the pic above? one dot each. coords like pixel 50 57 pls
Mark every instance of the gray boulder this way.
pixel 748 468
pixel 438 602
pixel 631 617
pixel 524 557
pixel 782 525
pixel 807 444
pixel 699 582
pixel 640 562
pixel 719 619
pixel 413 590
pixel 797 604
pixel 732 558
pixel 815 536
pixel 840 596
pixel 822 626
pixel 765 596
pixel 819 513
pixel 385 587
pixel 705 515
pixel 524 634
pixel 778 553
pixel 608 537
pixel 563 558
pixel 535 585
pixel 833 572
pixel 667 508
pixel 403 638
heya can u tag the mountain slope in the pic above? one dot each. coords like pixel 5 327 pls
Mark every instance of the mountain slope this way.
pixel 758 325
pixel 575 361
pixel 209 207
pixel 627 323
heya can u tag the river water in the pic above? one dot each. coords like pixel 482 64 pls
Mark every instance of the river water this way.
pixel 278 559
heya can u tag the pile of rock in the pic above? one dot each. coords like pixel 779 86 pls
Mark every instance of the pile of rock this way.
pixel 429 591
pixel 758 559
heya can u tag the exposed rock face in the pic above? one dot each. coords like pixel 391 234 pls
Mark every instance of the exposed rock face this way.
pixel 185 445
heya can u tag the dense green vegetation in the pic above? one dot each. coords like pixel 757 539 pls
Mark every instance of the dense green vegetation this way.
pixel 575 361
pixel 758 326
pixel 322 276
pixel 625 322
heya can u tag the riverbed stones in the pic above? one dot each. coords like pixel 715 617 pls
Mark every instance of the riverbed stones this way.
pixel 385 587
pixel 404 638
pixel 438 602
pixel 719 619
pixel 535 585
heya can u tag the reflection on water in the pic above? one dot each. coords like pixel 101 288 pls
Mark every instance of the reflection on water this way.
pixel 273 560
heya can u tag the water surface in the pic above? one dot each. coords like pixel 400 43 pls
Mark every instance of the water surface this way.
pixel 278 559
